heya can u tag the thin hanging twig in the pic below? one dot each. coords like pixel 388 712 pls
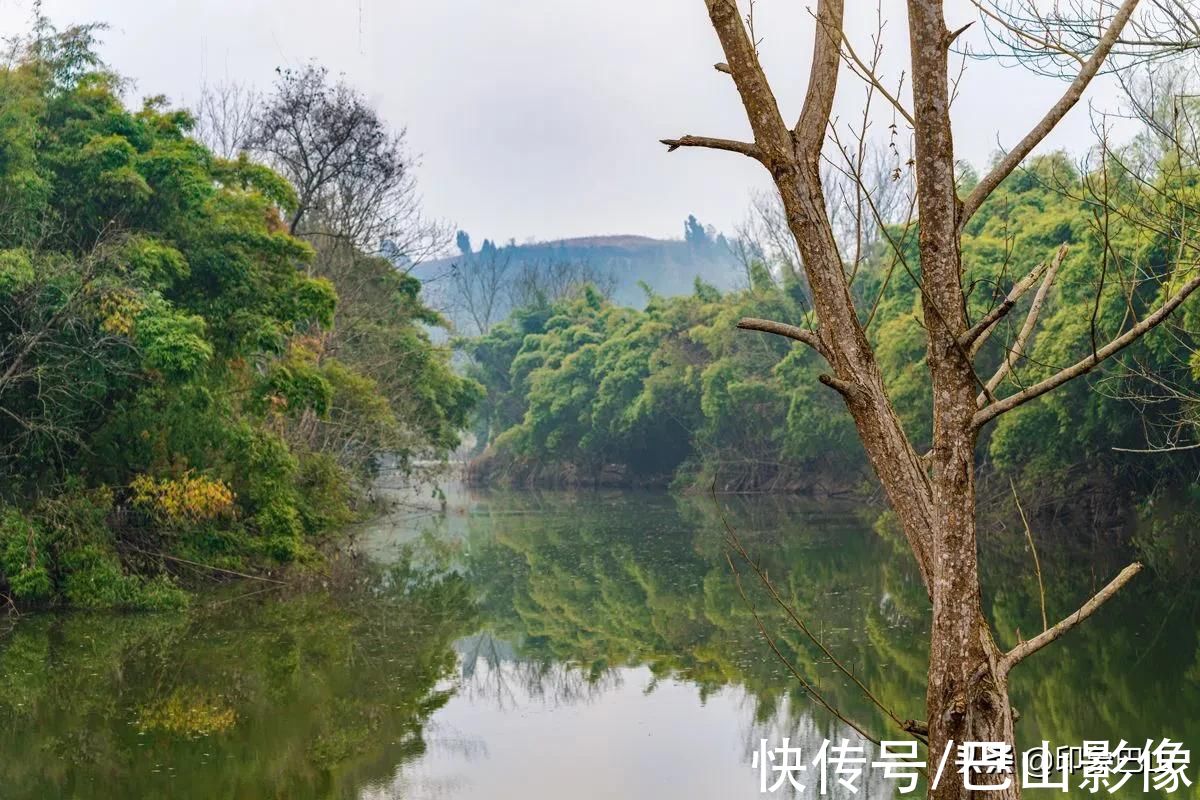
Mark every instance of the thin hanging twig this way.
pixel 208 566
pixel 736 543
pixel 1037 564
pixel 808 687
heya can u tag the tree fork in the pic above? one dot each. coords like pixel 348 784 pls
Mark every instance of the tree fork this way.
pixel 933 496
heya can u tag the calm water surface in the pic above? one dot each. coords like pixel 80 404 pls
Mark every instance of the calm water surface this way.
pixel 536 646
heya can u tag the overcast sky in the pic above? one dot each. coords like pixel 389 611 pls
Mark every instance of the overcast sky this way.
pixel 540 118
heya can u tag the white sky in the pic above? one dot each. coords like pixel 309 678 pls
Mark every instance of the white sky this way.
pixel 540 118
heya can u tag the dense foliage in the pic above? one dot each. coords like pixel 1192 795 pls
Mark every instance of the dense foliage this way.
pixel 168 389
pixel 584 391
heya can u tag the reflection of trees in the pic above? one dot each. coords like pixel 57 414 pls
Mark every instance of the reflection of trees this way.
pixel 599 583
pixel 494 671
pixel 304 697
pixel 298 697
pixel 634 580
pixel 1134 675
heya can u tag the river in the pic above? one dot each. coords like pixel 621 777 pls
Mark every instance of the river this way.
pixel 546 645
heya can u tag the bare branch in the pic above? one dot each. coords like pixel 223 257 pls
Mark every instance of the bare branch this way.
pixel 868 74
pixel 979 332
pixel 1157 450
pixel 822 79
pixel 1012 354
pixel 1065 103
pixel 762 110
pixel 1089 363
pixel 810 338
pixel 842 387
pixel 1037 563
pixel 730 145
pixel 953 36
pixel 1047 44
pixel 1026 649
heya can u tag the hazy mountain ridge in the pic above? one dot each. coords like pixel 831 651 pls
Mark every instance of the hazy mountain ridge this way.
pixel 620 264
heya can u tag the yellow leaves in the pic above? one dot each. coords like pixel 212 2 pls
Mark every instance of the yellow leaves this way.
pixel 186 499
pixel 306 348
pixel 189 712
pixel 118 310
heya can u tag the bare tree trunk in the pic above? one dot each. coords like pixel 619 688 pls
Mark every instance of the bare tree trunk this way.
pixel 933 496
pixel 966 701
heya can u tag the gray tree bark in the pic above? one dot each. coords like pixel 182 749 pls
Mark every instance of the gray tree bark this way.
pixel 933 496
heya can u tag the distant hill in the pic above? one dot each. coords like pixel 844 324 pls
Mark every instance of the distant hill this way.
pixel 618 264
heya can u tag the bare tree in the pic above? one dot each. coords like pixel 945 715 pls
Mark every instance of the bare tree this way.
pixel 50 344
pixel 1163 98
pixel 478 287
pixel 540 282
pixel 354 178
pixel 357 204
pixel 933 494
pixel 860 171
pixel 226 118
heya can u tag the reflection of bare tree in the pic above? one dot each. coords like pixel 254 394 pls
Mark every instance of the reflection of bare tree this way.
pixel 793 719
pixel 441 740
pixel 492 670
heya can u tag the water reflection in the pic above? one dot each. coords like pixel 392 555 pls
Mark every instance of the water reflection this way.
pixel 530 645
pixel 295 697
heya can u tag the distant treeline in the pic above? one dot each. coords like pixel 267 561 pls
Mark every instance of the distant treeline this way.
pixel 478 287
pixel 583 391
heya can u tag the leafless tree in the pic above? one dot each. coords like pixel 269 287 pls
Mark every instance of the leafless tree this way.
pixel 50 384
pixel 548 281
pixel 864 170
pixel 226 117
pixel 357 204
pixel 1159 164
pixel 478 287
pixel 933 494
pixel 354 178
pixel 481 288
pixel 1164 99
